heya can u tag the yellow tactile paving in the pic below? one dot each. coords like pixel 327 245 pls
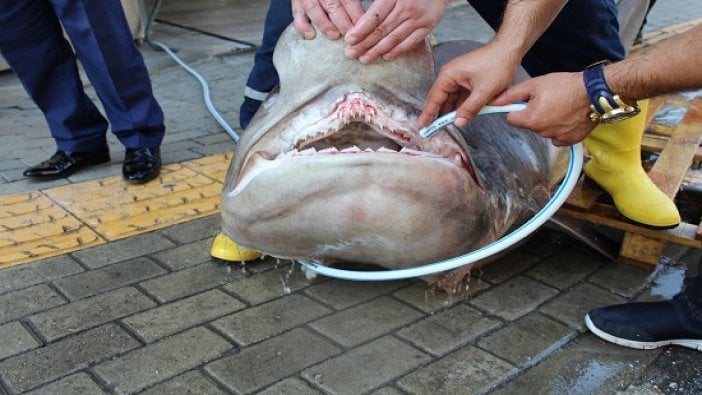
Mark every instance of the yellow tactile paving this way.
pixel 34 227
pixel 213 166
pixel 56 221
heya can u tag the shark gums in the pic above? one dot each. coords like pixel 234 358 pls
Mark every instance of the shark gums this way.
pixel 332 169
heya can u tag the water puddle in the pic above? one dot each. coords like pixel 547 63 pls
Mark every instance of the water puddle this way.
pixel 670 280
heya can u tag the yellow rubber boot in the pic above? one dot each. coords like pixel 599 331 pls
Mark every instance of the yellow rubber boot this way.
pixel 616 167
pixel 226 249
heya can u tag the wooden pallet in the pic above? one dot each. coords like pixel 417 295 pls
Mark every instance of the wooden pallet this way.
pixel 676 139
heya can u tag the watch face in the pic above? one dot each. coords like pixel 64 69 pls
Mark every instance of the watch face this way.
pixel 619 114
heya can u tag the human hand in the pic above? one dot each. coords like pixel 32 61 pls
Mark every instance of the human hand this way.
pixel 390 28
pixel 334 18
pixel 469 82
pixel 558 107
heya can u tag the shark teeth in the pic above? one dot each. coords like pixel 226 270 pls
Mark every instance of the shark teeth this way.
pixel 353 108
pixel 356 150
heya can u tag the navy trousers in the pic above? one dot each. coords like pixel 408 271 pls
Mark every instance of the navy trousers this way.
pixel 32 42
pixel 584 32
pixel 263 77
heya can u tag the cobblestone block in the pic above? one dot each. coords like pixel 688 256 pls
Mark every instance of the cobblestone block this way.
pixel 366 321
pixel 100 171
pixel 27 301
pixel 387 391
pixel 574 368
pixel 291 386
pixel 268 285
pixel 161 360
pixel 179 156
pixel 525 341
pixel 186 255
pixel 571 306
pixel 507 267
pixel 87 313
pixel 108 278
pixel 261 365
pixel 342 294
pixel 76 384
pixel 429 300
pixel 448 330
pixel 25 275
pixel 14 339
pixel 467 371
pixel 12 164
pixel 174 317
pixel 123 250
pixel 190 281
pixel 195 230
pixel 20 187
pixel 565 268
pixel 69 355
pixel 209 150
pixel 620 279
pixel 513 298
pixel 193 382
pixel 547 242
pixel 261 322
pixel 366 367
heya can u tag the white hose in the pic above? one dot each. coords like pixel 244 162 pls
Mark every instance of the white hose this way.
pixel 566 187
pixel 205 87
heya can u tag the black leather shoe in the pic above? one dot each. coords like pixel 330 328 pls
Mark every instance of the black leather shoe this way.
pixel 141 164
pixel 64 163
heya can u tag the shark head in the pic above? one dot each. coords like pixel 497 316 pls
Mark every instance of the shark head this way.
pixel 332 167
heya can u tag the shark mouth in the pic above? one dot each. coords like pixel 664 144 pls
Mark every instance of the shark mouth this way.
pixel 358 125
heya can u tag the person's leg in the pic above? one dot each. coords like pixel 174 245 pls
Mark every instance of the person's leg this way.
pixel 32 43
pixel 104 44
pixel 653 324
pixel 263 76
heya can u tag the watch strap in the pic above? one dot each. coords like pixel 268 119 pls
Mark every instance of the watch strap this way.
pixel 597 88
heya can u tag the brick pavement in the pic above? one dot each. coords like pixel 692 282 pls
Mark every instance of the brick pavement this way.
pixel 155 313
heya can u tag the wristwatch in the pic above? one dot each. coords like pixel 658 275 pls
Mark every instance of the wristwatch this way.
pixel 605 106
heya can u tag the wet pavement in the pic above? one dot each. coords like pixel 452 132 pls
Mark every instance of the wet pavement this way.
pixel 154 313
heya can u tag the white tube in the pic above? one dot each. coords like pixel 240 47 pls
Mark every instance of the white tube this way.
pixel 562 193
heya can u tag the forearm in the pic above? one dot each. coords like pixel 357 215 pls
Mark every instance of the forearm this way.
pixel 524 21
pixel 671 66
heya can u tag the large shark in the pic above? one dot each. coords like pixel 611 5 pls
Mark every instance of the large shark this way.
pixel 333 169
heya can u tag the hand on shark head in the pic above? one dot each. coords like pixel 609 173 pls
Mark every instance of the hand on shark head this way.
pixel 333 17
pixel 390 28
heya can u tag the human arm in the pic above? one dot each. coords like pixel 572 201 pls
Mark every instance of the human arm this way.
pixel 469 82
pixel 558 105
pixel 333 17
